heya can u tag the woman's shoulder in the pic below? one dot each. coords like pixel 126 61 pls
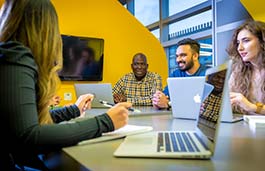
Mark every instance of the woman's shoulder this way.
pixel 16 53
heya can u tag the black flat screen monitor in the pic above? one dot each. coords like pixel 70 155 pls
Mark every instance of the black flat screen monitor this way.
pixel 82 58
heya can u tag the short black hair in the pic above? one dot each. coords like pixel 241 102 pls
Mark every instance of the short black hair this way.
pixel 195 46
pixel 140 55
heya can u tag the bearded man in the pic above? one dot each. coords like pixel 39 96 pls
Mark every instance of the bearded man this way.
pixel 187 58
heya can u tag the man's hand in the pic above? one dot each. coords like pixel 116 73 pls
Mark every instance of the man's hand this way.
pixel 160 100
pixel 119 98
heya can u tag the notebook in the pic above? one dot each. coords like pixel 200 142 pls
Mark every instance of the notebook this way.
pixel 119 133
pixel 101 91
pixel 199 144
pixel 185 96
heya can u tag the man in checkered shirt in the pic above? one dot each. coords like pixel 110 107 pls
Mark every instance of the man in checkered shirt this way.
pixel 138 86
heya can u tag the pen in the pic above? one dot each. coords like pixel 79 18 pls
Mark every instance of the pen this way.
pixel 107 104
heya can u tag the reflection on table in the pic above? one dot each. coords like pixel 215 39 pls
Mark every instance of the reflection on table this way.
pixel 144 110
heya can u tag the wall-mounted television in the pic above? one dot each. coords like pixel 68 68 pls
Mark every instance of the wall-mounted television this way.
pixel 82 58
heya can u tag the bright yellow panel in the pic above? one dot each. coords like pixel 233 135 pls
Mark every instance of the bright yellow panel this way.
pixel 255 8
pixel 124 36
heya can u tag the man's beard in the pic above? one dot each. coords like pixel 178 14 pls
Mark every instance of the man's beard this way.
pixel 188 65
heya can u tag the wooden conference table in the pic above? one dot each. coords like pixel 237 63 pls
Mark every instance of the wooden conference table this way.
pixel 238 148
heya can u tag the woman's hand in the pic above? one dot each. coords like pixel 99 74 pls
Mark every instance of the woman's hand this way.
pixel 240 100
pixel 55 101
pixel 119 114
pixel 84 103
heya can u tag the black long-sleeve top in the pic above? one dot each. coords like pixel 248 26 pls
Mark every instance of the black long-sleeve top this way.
pixel 18 108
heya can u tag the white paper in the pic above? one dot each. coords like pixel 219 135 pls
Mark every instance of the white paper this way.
pixel 255 121
pixel 119 133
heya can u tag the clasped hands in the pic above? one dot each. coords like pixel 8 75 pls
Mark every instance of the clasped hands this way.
pixel 160 100
pixel 119 98
pixel 240 100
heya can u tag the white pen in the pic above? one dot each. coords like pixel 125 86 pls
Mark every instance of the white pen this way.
pixel 107 104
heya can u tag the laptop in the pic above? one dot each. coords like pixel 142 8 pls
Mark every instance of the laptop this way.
pixel 101 91
pixel 228 115
pixel 199 144
pixel 185 103
pixel 185 96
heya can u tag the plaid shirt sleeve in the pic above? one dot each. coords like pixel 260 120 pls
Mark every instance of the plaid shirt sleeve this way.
pixel 211 107
pixel 118 87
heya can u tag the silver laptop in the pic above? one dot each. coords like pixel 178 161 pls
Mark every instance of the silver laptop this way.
pixel 185 144
pixel 102 91
pixel 185 96
pixel 228 115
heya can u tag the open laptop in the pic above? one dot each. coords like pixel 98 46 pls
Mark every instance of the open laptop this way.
pixel 185 96
pixel 228 115
pixel 199 144
pixel 102 91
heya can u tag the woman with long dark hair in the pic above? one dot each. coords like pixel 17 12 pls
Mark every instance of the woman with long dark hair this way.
pixel 247 82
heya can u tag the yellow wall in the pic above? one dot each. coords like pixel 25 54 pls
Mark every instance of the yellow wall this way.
pixel 123 34
pixel 255 8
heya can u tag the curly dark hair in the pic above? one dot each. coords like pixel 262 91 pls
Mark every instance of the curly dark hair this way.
pixel 243 71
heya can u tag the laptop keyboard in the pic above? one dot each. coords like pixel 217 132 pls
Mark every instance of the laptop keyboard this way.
pixel 176 142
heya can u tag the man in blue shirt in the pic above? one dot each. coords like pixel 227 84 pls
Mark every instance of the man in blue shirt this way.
pixel 187 58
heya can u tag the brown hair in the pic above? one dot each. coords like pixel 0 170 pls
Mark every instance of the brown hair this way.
pixel 241 70
pixel 34 23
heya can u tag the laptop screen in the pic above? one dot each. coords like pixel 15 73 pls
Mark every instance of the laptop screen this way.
pixel 101 91
pixel 211 104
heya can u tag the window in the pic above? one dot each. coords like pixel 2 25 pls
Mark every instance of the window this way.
pixel 205 54
pixel 156 33
pixel 147 11
pixel 191 25
pixel 176 6
pixel 186 18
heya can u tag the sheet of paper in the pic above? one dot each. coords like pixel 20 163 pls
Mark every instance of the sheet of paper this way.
pixel 119 133
pixel 255 121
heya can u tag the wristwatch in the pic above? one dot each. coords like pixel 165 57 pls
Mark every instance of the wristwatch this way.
pixel 259 107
